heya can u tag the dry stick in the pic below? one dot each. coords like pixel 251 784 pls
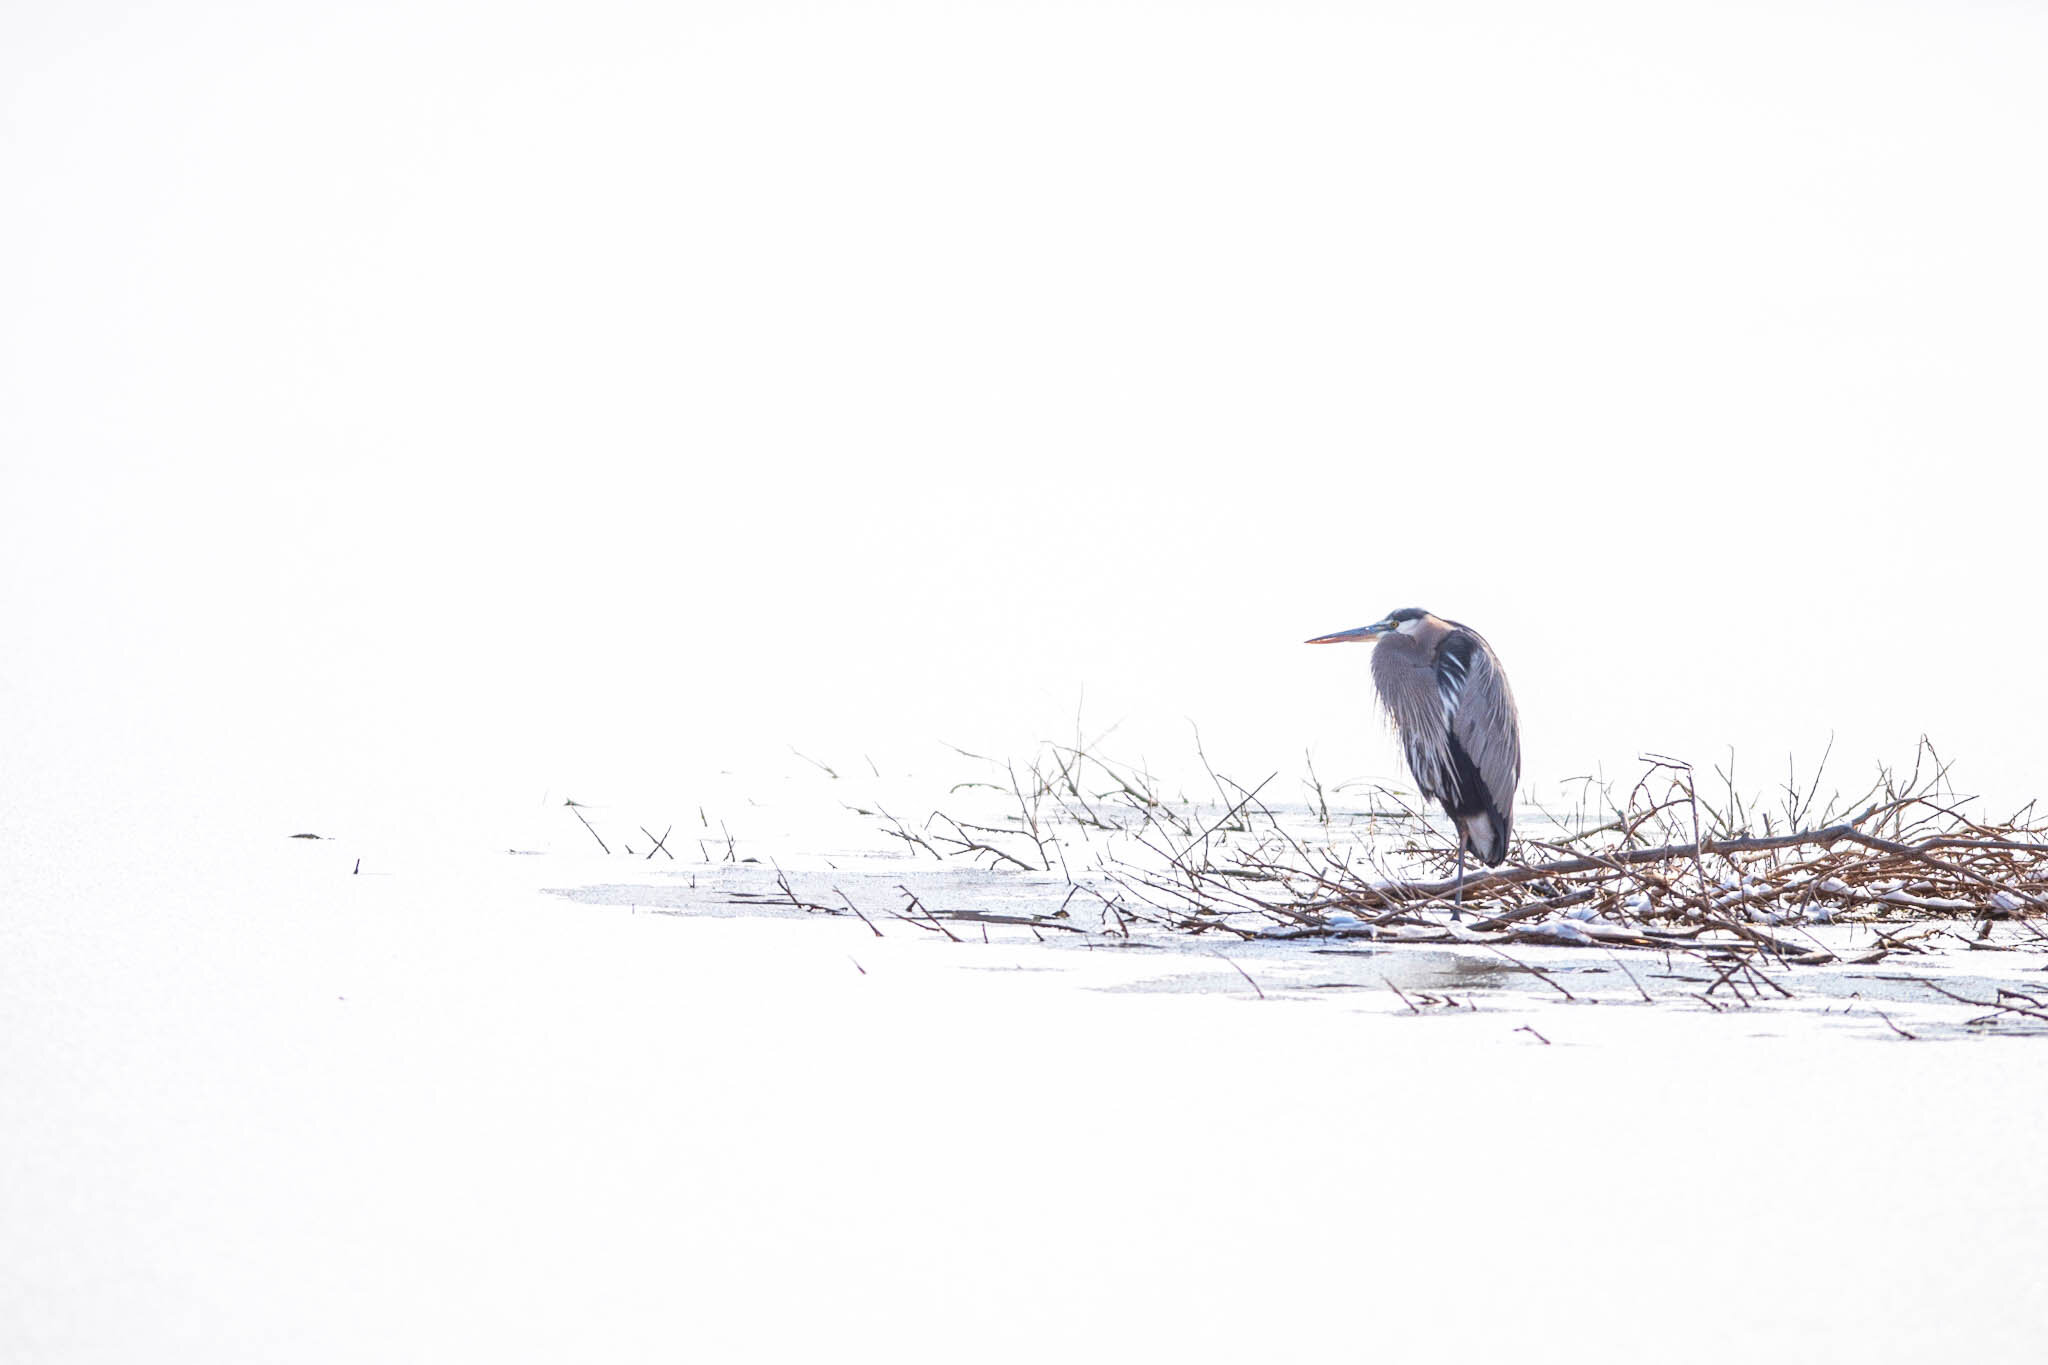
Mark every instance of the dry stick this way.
pixel 1322 801
pixel 1196 921
pixel 1992 1005
pixel 1629 826
pixel 1709 917
pixel 913 923
pixel 996 830
pixel 1533 908
pixel 1576 836
pixel 856 910
pixel 918 906
pixel 1769 943
pixel 1200 895
pixel 1123 929
pixel 1756 978
pixel 1538 973
pixel 1727 978
pixel 1232 811
pixel 1063 868
pixel 1631 979
pixel 1732 817
pixel 1654 883
pixel 1346 893
pixel 1274 820
pixel 1912 851
pixel 815 763
pixel 782 880
pixel 972 846
pixel 574 810
pixel 1241 972
pixel 1631 857
pixel 1692 800
pixel 900 831
pixel 1072 776
pixel 1022 921
pixel 661 844
pixel 1223 819
pixel 1814 786
pixel 1074 889
pixel 1030 817
pixel 1203 882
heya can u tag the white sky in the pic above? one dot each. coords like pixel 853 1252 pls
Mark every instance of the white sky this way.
pixel 439 397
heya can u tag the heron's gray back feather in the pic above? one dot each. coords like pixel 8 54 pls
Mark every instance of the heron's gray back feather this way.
pixel 1488 728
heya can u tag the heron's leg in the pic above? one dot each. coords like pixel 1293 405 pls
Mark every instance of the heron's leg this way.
pixel 1458 905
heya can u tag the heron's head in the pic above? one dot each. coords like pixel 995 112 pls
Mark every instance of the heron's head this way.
pixel 1407 621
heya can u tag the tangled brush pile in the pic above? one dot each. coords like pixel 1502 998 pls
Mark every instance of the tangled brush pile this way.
pixel 1662 867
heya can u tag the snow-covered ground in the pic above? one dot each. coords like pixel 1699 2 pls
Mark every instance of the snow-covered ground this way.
pixel 472 1104
pixel 407 407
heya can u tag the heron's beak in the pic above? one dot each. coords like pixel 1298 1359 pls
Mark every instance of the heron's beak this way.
pixel 1363 635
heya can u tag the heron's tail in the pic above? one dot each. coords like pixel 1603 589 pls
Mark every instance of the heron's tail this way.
pixel 1486 834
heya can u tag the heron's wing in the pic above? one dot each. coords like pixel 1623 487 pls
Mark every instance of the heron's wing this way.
pixel 1479 712
pixel 1414 697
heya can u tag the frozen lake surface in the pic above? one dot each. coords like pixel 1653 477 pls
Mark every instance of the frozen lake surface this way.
pixel 406 408
pixel 1936 979
pixel 469 1103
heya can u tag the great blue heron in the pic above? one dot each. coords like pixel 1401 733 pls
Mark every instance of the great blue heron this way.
pixel 1449 699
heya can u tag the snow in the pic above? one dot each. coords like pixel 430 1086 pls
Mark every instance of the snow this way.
pixel 263 1107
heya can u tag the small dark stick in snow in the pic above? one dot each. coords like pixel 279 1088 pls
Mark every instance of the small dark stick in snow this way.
pixel 1241 972
pixel 574 810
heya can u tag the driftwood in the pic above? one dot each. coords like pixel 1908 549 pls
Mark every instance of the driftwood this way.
pixel 1663 869
pixel 1242 868
pixel 1909 854
pixel 1848 830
